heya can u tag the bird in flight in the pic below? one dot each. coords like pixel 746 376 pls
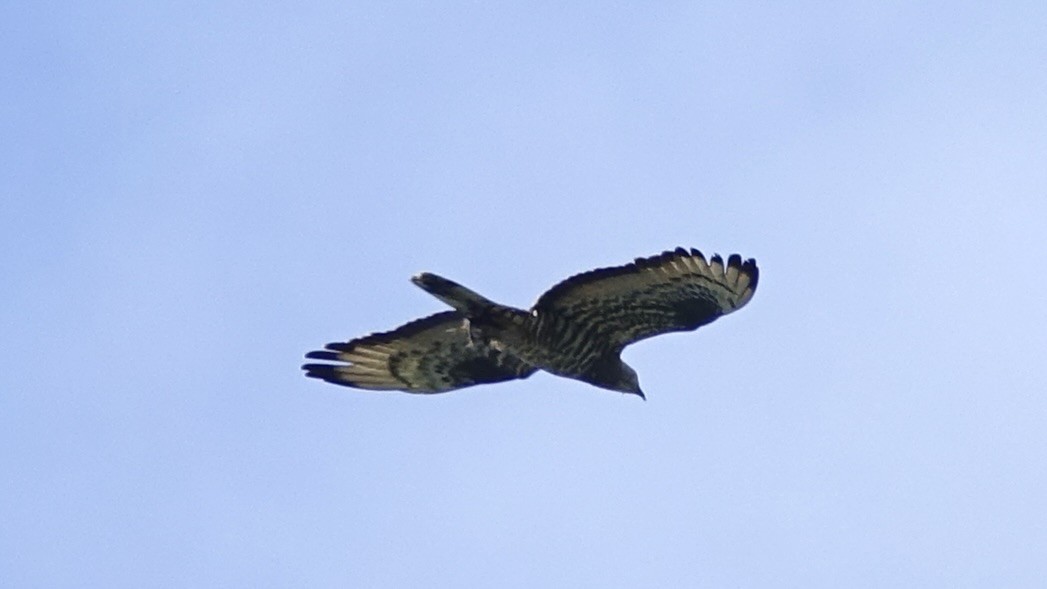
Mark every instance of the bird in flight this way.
pixel 577 329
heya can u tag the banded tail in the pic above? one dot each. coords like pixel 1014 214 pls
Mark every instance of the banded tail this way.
pixel 452 293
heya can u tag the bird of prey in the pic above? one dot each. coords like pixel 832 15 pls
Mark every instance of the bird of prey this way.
pixel 577 329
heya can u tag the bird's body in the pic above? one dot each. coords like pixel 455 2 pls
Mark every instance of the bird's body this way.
pixel 543 340
pixel 577 329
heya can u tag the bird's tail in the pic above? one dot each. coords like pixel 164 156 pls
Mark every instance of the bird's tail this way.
pixel 452 293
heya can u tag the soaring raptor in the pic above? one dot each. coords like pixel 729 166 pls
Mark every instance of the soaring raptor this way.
pixel 577 329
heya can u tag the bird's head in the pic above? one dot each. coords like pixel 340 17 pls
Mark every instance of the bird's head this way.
pixel 622 378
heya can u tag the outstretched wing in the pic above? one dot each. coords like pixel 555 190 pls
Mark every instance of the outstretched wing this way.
pixel 430 355
pixel 674 291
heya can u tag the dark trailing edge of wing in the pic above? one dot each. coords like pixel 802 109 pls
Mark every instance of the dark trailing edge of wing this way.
pixel 735 260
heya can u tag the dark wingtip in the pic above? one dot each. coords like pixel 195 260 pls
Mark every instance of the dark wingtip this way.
pixel 749 267
pixel 326 373
pixel 321 371
pixel 322 355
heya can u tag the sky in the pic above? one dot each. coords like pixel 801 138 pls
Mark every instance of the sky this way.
pixel 196 194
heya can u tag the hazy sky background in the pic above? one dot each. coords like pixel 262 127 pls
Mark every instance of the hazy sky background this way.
pixel 196 194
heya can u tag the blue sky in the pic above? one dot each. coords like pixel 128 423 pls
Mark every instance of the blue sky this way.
pixel 196 194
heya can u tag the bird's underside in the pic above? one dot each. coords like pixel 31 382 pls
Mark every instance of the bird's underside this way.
pixel 577 329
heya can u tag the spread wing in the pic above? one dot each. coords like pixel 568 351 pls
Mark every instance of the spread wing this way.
pixel 430 355
pixel 674 291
